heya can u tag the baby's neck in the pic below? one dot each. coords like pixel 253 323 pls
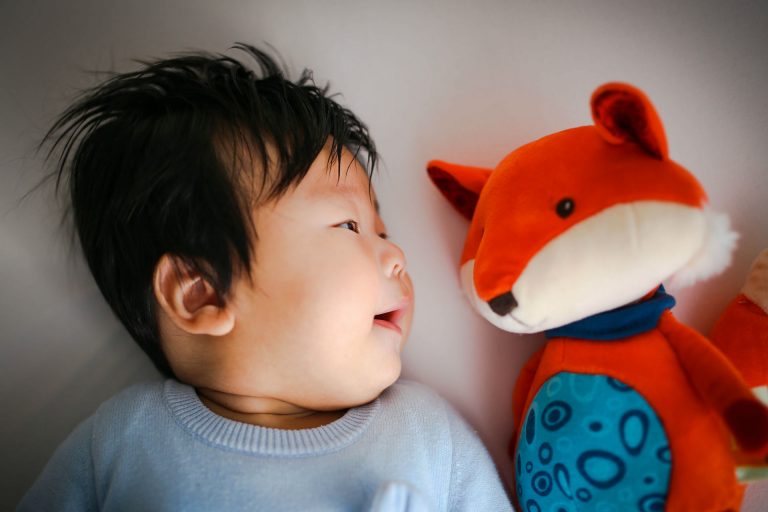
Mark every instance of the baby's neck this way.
pixel 281 415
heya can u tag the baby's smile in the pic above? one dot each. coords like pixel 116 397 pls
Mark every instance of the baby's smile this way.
pixel 391 316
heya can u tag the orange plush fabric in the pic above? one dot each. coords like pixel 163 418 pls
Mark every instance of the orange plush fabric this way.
pixel 590 180
pixel 513 239
pixel 683 403
pixel 650 364
pixel 742 334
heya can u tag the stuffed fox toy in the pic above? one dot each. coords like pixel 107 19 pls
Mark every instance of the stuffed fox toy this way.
pixel 624 408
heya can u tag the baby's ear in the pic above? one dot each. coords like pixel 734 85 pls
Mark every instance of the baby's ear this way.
pixel 189 300
pixel 460 184
pixel 623 113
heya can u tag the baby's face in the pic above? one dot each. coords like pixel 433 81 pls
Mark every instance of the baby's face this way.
pixel 324 321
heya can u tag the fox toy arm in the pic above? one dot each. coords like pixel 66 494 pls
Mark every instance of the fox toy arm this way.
pixel 718 382
pixel 523 386
pixel 519 398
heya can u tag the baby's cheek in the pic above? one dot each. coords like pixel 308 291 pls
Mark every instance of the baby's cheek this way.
pixel 409 285
pixel 408 319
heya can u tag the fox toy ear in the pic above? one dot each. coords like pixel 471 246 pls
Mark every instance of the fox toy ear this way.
pixel 460 184
pixel 624 113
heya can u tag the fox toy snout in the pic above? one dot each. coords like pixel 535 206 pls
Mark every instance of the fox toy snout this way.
pixel 503 304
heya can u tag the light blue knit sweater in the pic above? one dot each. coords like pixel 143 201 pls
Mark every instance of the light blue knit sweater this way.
pixel 155 446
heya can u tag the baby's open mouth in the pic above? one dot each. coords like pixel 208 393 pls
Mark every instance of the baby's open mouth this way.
pixel 391 317
pixel 385 316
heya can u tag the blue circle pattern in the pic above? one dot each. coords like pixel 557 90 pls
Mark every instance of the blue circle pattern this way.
pixel 609 466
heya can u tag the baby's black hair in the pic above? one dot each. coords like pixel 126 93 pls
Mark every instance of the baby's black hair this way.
pixel 171 159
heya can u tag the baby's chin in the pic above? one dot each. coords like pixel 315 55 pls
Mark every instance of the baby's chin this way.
pixel 359 394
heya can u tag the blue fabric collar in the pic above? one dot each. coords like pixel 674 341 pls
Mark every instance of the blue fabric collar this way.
pixel 618 323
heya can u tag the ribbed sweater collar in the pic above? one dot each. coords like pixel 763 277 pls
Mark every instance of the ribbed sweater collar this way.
pixel 194 416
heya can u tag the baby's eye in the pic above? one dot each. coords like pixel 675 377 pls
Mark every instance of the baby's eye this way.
pixel 350 224
pixel 384 236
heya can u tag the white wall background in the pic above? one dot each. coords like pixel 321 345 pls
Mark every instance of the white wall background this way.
pixel 461 81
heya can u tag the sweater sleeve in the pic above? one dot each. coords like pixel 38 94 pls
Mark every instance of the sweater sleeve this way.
pixel 67 481
pixel 475 482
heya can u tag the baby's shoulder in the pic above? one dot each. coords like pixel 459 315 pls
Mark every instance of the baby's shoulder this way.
pixel 416 412
pixel 417 401
pixel 407 388
pixel 130 406
pixel 135 396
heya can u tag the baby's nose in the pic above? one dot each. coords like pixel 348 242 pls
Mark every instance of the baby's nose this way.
pixel 394 259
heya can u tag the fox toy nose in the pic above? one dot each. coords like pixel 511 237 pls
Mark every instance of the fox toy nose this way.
pixel 503 304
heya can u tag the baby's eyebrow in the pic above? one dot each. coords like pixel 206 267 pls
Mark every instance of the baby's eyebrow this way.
pixel 347 191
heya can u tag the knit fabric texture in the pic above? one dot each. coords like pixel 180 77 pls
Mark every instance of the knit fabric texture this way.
pixel 155 446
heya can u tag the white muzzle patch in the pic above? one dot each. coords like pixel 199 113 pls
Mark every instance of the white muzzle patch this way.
pixel 609 260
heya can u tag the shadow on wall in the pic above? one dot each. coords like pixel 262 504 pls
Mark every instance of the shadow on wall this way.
pixel 114 363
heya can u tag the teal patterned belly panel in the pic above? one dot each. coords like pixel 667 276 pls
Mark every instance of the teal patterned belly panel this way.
pixel 590 442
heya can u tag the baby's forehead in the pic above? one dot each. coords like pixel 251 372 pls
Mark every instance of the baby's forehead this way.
pixel 350 184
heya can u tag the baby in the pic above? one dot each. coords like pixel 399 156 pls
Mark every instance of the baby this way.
pixel 228 217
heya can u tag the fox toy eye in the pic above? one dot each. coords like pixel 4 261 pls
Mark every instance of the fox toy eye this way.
pixel 565 207
pixel 350 225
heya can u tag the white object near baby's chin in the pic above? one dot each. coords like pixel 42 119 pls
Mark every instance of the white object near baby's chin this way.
pixel 611 259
